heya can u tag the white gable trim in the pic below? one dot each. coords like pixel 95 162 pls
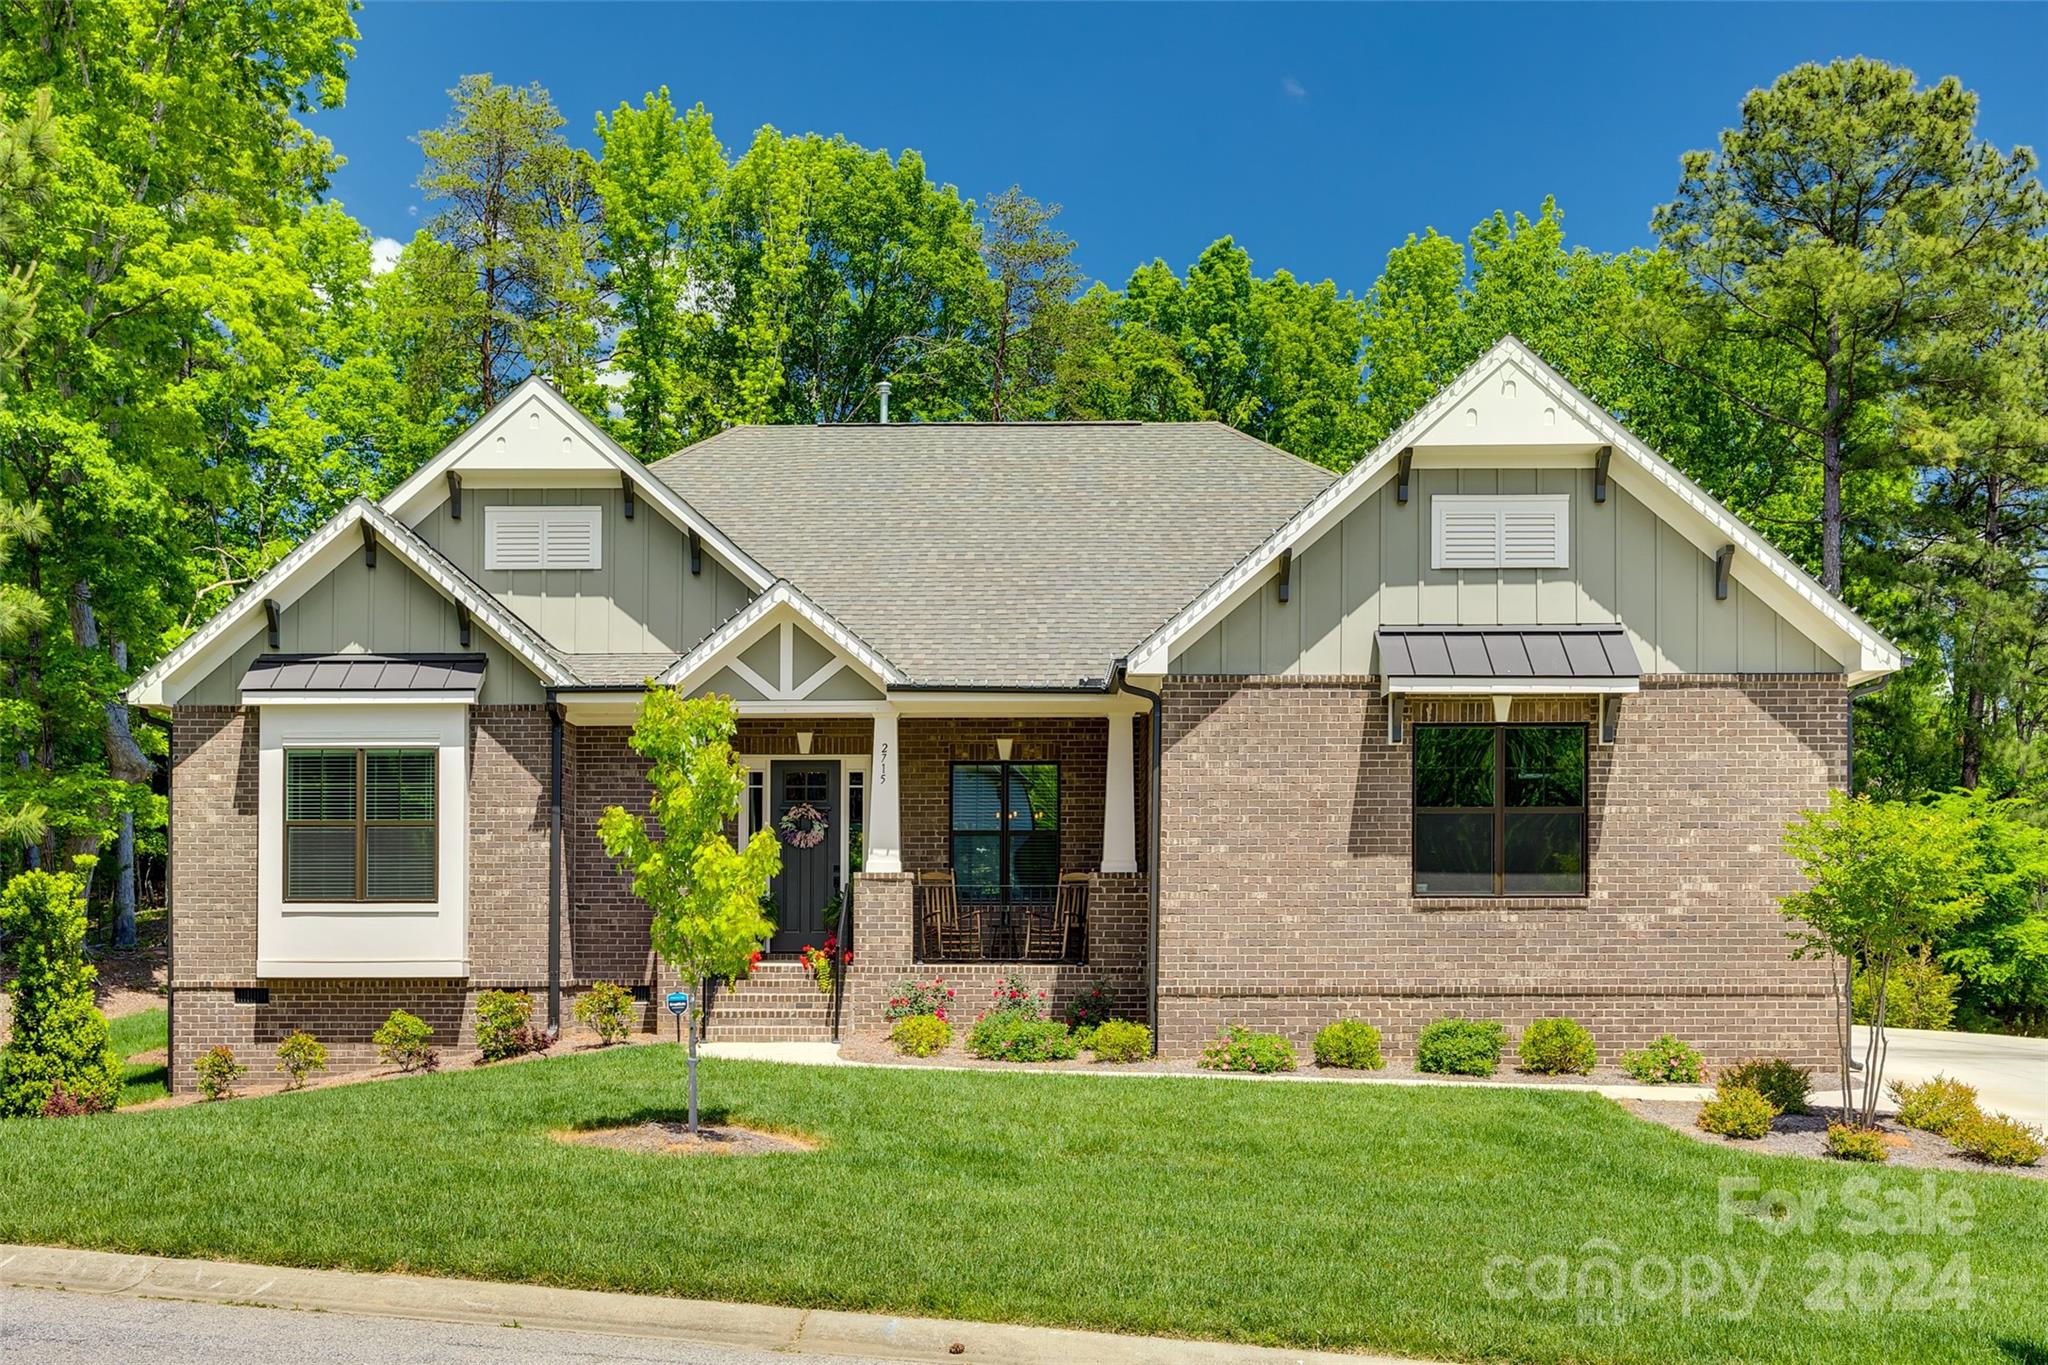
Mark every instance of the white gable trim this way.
pixel 288 579
pixel 1782 584
pixel 782 604
pixel 428 487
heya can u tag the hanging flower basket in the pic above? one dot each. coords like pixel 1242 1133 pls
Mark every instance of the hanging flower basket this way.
pixel 802 826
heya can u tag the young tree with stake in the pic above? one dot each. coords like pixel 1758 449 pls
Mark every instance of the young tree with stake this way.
pixel 706 895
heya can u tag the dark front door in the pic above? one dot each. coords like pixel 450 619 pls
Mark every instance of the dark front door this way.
pixel 805 801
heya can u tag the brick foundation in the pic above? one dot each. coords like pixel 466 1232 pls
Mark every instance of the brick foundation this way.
pixel 1286 846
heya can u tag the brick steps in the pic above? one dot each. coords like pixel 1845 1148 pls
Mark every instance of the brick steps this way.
pixel 779 1003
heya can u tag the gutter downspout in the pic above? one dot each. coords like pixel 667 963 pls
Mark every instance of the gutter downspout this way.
pixel 1119 681
pixel 554 865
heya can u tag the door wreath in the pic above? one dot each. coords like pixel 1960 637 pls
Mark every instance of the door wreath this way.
pixel 802 826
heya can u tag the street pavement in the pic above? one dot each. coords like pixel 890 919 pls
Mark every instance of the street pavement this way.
pixel 53 1327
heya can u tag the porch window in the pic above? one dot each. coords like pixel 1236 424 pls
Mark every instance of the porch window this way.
pixel 1006 832
pixel 359 825
pixel 1500 810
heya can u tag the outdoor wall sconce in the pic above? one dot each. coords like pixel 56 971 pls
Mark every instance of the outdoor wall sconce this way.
pixel 1003 747
pixel 803 741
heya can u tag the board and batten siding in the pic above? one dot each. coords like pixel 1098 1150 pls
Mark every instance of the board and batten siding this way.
pixel 1627 566
pixel 386 610
pixel 643 600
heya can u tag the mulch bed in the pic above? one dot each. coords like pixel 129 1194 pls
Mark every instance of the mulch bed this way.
pixel 875 1047
pixel 672 1137
pixel 1806 1135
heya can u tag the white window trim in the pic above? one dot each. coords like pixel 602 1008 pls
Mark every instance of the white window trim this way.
pixel 1558 505
pixel 356 939
pixel 497 515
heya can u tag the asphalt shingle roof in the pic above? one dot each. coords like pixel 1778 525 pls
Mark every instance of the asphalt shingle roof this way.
pixel 1012 554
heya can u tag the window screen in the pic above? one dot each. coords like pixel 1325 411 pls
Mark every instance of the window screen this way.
pixel 359 825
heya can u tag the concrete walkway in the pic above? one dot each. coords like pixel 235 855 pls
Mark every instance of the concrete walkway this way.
pixel 827 1054
pixel 703 1323
pixel 2011 1074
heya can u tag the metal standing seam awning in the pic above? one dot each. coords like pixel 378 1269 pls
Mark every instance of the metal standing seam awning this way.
pixel 348 677
pixel 1504 662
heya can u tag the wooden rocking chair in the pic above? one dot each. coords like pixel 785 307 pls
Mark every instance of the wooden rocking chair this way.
pixel 1049 933
pixel 945 934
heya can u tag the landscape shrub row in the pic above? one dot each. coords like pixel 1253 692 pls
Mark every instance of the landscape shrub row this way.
pixel 1015 1027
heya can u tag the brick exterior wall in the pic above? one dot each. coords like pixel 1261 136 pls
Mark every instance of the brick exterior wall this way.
pixel 1285 901
pixel 214 800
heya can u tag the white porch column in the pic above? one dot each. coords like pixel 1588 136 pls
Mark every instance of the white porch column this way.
pixel 884 832
pixel 1120 799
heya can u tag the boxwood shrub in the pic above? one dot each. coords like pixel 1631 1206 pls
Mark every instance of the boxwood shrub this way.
pixel 1941 1106
pixel 1852 1142
pixel 2000 1140
pixel 1461 1047
pixel 1737 1111
pixel 921 1035
pixel 1557 1047
pixel 1120 1040
pixel 1349 1043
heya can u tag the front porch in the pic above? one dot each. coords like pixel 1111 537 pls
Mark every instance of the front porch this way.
pixel 965 834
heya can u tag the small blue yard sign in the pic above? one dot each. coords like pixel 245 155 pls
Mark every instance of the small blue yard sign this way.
pixel 679 1003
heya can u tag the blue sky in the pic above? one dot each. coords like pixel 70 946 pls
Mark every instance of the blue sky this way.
pixel 1318 135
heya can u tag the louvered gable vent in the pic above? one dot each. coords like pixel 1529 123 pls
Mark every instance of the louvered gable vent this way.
pixel 542 537
pixel 1526 532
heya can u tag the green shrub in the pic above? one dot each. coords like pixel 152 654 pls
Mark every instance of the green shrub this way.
pixel 504 1025
pixel 1940 1106
pixel 606 1009
pixel 218 1071
pixel 1557 1047
pixel 1119 1040
pixel 2000 1140
pixel 933 997
pixel 1016 1038
pixel 1237 1048
pixel 1350 1043
pixel 921 1035
pixel 1776 1079
pixel 300 1055
pixel 1084 1037
pixel 402 1042
pixel 1853 1142
pixel 1668 1061
pixel 60 1037
pixel 1737 1111
pixel 1917 994
pixel 1090 1007
pixel 1461 1047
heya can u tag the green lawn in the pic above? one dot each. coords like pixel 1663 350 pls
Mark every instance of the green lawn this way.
pixel 145 1032
pixel 1333 1216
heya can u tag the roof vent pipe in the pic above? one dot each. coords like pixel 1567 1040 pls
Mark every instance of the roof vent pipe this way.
pixel 883 389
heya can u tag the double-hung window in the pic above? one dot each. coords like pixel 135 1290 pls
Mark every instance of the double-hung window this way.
pixel 1006 832
pixel 1500 810
pixel 359 825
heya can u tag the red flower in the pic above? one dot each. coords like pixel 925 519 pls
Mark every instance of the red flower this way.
pixel 846 956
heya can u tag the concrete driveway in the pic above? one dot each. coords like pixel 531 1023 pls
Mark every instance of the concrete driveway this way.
pixel 2011 1074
